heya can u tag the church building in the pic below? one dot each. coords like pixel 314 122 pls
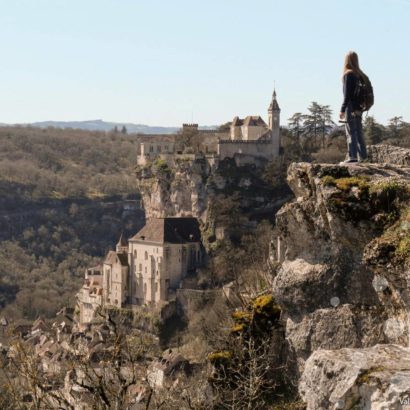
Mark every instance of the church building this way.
pixel 146 269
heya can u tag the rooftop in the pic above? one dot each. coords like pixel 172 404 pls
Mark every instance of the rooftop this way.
pixel 169 230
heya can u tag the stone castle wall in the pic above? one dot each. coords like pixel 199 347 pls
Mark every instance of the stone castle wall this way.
pixel 228 148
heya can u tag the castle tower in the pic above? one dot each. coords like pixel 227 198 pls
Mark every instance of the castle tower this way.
pixel 274 124
pixel 122 245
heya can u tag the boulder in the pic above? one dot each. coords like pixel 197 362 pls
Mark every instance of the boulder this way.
pixel 374 378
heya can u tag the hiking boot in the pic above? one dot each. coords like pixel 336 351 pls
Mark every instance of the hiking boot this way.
pixel 349 161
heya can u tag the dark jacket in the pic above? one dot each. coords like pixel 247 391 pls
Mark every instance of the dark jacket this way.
pixel 350 84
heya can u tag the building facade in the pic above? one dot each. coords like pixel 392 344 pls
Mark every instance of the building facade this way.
pixel 146 269
pixel 252 137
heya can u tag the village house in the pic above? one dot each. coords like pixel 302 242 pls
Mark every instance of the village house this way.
pixel 146 269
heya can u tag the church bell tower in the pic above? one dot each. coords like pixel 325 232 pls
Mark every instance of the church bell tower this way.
pixel 274 124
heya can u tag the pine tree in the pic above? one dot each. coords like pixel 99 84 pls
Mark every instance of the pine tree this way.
pixel 373 132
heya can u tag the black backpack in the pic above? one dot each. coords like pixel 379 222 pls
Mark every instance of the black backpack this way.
pixel 364 93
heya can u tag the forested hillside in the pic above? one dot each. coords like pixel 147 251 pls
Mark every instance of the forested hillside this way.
pixel 65 196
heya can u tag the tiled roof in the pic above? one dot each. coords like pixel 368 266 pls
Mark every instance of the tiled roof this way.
pixel 169 230
pixel 274 106
pixel 250 120
pixel 112 256
pixel 122 241
pixel 237 122
pixel 254 120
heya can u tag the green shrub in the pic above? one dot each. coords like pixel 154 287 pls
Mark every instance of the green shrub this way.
pixel 328 180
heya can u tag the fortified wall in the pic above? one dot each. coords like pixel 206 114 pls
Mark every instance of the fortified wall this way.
pixel 258 148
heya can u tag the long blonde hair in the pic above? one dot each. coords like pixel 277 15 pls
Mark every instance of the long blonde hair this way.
pixel 352 64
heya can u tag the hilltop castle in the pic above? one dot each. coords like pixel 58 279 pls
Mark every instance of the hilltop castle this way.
pixel 252 137
pixel 248 138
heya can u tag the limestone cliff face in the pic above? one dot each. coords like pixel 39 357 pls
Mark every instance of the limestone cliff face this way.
pixel 344 247
pixel 176 191
pixel 211 191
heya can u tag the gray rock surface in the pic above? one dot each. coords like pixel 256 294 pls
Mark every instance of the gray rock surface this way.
pixel 389 154
pixel 375 378
pixel 324 234
pixel 343 289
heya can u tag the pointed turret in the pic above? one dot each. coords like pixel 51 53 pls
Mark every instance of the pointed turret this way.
pixel 274 106
pixel 274 124
pixel 122 245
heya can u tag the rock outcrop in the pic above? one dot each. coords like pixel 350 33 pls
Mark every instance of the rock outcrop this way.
pixel 371 378
pixel 212 191
pixel 389 154
pixel 344 248
pixel 176 191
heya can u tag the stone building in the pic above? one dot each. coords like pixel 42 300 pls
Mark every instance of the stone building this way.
pixel 252 137
pixel 90 295
pixel 248 138
pixel 146 269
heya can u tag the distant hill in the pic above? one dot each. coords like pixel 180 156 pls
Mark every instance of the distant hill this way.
pixel 100 125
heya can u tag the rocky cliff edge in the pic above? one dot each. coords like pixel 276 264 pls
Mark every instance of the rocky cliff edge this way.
pixel 343 282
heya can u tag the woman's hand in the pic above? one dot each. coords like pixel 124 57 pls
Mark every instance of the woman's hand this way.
pixel 342 115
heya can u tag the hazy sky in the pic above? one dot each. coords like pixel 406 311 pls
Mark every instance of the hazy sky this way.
pixel 164 62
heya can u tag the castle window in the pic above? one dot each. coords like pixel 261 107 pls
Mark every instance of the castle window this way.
pixel 156 286
pixel 146 255
pixel 145 288
pixel 145 269
pixel 159 148
pixel 135 253
pixel 151 148
pixel 140 267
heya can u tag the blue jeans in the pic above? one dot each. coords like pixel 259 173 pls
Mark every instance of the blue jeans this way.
pixel 354 134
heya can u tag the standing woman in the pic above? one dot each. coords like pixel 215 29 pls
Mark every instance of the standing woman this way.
pixel 351 110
